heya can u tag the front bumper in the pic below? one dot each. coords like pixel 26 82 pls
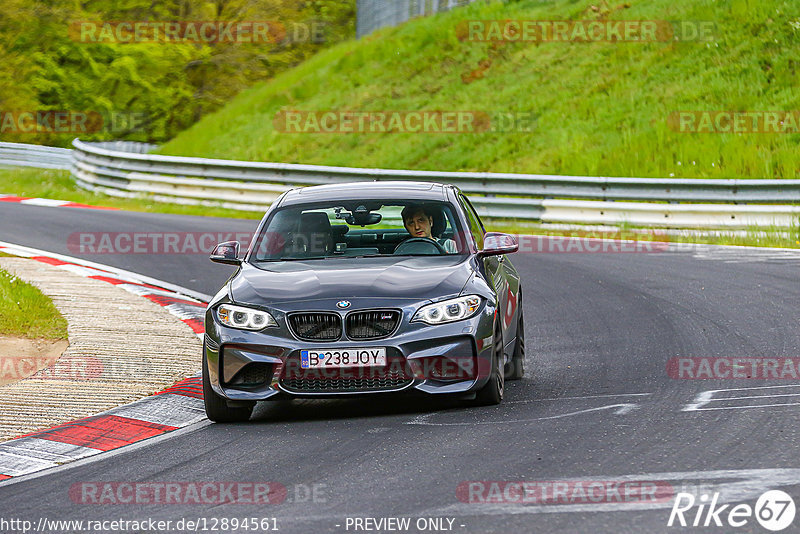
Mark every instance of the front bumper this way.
pixel 252 366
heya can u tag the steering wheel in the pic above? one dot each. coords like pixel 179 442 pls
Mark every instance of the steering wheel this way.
pixel 420 245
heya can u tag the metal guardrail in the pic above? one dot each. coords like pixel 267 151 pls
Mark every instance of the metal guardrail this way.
pixel 254 185
pixel 375 14
pixel 41 157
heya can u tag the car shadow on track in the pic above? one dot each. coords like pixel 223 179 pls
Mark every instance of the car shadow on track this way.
pixel 299 410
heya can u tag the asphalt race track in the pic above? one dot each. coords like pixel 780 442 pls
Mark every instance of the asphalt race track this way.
pixel 597 403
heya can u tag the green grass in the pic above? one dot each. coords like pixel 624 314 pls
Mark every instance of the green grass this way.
pixel 59 185
pixel 601 108
pixel 26 312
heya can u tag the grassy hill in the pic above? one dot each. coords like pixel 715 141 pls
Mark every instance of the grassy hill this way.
pixel 601 108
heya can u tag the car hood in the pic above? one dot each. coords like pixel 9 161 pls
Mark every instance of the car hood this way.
pixel 417 278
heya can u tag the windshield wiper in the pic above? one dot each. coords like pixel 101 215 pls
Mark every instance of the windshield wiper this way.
pixel 293 259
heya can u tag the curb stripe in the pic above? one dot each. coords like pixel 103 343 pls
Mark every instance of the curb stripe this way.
pixel 49 261
pixel 87 206
pixel 118 281
pixel 51 203
pixel 164 300
pixel 177 406
pixel 28 455
pixel 193 385
pixel 22 463
pixel 195 394
pixel 103 432
pixel 46 202
pixel 27 252
pixel 167 410
pixel 196 325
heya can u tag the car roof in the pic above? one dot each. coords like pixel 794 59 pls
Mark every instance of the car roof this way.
pixel 366 190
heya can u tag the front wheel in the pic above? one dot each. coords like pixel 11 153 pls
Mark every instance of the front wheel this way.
pixel 217 408
pixel 492 393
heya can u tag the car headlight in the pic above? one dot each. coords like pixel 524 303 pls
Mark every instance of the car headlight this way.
pixel 244 318
pixel 448 311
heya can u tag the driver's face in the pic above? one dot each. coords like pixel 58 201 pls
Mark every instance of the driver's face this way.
pixel 419 225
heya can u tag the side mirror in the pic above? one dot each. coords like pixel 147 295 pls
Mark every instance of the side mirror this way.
pixel 496 244
pixel 227 253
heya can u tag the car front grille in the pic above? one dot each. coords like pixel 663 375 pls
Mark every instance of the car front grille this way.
pixel 316 326
pixel 396 374
pixel 360 325
pixel 343 385
pixel 374 324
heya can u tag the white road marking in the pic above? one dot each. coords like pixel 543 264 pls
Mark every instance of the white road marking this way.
pixel 621 409
pixel 580 398
pixel 759 396
pixel 706 397
pixel 735 486
pixel 745 407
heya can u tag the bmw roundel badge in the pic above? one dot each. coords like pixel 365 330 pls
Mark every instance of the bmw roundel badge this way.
pixel 343 304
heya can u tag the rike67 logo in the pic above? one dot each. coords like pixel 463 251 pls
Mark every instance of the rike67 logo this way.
pixel 774 510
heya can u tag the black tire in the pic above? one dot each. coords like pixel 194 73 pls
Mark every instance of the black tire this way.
pixel 217 408
pixel 492 393
pixel 515 369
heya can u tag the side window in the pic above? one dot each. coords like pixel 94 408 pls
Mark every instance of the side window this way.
pixel 475 226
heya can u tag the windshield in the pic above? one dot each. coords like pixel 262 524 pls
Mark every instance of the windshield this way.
pixel 360 228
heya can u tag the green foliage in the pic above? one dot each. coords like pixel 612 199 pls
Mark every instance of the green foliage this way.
pixel 162 86
pixel 601 108
pixel 26 312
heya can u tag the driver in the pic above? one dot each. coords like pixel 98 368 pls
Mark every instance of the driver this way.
pixel 419 222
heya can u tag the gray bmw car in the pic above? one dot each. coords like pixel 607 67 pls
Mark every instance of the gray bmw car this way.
pixel 363 289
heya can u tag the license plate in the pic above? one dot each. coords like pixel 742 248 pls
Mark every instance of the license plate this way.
pixel 324 358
